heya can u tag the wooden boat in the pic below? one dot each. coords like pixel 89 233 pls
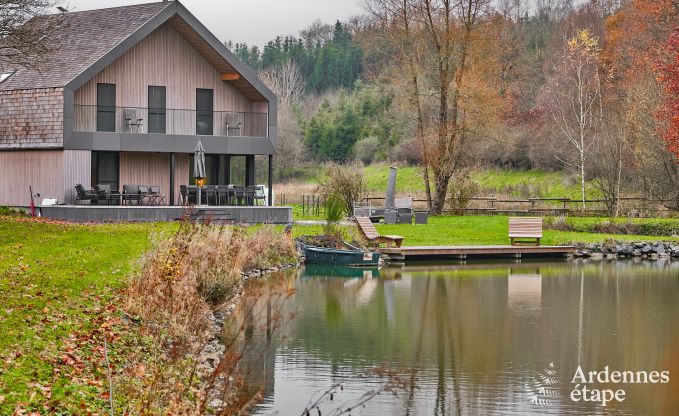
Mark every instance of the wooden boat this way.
pixel 340 257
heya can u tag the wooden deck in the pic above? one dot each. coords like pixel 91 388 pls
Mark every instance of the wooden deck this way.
pixel 464 252
pixel 135 213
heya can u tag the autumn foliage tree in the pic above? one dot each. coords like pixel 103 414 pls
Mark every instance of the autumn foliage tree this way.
pixel 668 70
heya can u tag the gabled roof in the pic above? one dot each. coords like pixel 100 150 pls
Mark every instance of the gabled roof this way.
pixel 91 40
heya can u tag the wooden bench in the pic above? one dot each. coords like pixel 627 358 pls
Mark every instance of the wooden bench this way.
pixel 525 228
pixel 368 230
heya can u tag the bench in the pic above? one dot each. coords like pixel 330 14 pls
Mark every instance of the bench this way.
pixel 370 232
pixel 525 228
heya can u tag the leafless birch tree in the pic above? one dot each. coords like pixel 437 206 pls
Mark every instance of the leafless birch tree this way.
pixel 572 99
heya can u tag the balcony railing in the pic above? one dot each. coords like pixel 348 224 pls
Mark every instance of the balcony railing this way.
pixel 91 118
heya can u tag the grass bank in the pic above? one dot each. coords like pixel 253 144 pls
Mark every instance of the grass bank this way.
pixel 55 282
pixel 488 230
pixel 65 288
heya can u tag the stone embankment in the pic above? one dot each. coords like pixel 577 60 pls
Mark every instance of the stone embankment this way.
pixel 621 250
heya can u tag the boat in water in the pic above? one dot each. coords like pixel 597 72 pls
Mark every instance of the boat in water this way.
pixel 352 256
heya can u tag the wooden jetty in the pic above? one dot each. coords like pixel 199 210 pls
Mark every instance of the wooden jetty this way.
pixel 405 253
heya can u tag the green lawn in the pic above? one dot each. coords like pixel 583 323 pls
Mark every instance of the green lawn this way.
pixel 54 279
pixel 489 230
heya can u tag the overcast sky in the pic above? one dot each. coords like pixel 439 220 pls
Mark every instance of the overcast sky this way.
pixel 251 21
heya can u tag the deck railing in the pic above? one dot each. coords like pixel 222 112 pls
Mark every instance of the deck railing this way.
pixel 92 118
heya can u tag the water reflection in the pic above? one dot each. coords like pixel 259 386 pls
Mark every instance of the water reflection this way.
pixel 472 338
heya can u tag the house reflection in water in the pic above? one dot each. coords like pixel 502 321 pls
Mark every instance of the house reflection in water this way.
pixel 524 292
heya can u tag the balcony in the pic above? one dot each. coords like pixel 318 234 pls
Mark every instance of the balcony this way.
pixel 92 118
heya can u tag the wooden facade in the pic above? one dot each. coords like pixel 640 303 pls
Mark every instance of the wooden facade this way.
pixel 165 58
pixel 153 169
pixel 51 173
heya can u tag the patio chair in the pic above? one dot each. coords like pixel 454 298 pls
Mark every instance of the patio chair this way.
pixel 131 194
pixel 239 195
pixel 250 196
pixel 145 193
pixel 156 197
pixel 233 124
pixel 82 194
pixel 132 121
pixel 260 194
pixel 106 195
pixel 183 195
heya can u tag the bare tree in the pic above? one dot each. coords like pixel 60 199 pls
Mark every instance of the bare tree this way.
pixel 25 39
pixel 402 35
pixel 287 82
pixel 572 99
pixel 614 148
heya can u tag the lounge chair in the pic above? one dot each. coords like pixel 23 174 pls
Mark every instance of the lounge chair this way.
pixel 525 228
pixel 368 230
pixel 82 194
pixel 106 195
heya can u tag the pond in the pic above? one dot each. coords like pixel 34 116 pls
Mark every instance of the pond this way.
pixel 477 338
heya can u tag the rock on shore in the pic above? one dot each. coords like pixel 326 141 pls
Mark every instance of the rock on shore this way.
pixel 615 250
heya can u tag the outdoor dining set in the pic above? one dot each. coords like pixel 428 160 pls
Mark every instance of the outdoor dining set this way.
pixel 131 195
pixel 223 195
pixel 189 194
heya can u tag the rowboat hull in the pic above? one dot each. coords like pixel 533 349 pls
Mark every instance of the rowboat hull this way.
pixel 338 257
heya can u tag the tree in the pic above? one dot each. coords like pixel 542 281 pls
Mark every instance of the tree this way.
pixel 572 99
pixel 25 39
pixel 442 36
pixel 287 82
pixel 609 160
pixel 668 69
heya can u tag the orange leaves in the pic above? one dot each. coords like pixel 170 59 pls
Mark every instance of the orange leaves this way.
pixel 668 75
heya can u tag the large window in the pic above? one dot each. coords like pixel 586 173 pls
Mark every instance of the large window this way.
pixel 106 107
pixel 105 169
pixel 204 111
pixel 157 109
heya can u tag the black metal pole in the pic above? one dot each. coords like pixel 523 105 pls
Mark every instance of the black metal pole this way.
pixel 270 196
pixel 172 167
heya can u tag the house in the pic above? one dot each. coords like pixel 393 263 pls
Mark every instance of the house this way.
pixel 124 99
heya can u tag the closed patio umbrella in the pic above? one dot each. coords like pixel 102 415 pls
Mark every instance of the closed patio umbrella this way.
pixel 199 168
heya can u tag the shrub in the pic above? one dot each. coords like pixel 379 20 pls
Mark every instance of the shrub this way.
pixel 344 182
pixel 460 192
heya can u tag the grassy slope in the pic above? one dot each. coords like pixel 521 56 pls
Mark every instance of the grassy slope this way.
pixel 51 279
pixel 522 184
pixel 485 230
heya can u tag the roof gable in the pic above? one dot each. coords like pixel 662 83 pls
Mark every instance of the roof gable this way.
pixel 92 40
pixel 85 37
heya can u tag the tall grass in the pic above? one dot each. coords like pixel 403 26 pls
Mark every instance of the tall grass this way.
pixel 178 284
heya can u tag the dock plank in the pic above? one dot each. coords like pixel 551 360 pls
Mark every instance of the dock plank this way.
pixel 485 251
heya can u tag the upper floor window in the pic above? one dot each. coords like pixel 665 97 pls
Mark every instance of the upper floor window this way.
pixel 204 111
pixel 106 107
pixel 157 109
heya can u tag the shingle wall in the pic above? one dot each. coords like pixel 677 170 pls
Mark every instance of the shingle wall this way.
pixel 31 119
